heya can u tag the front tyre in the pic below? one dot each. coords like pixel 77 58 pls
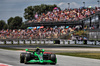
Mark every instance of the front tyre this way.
pixel 54 59
pixel 22 56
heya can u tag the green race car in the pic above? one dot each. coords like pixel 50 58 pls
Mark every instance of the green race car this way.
pixel 38 56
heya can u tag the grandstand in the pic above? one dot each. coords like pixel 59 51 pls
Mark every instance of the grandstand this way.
pixel 88 18
pixel 80 16
pixel 57 24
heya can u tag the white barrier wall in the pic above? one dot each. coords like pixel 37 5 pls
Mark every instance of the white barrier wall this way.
pixel 42 42
pixel 71 42
pixel 33 42
pixel 91 42
pixel 21 42
pixel 2 42
pixel 46 42
pixel 15 42
pixel 8 42
pixel 79 42
pixel 65 42
pixel 61 42
pixel 27 41
pixel 50 42
pixel 97 42
pixel 38 42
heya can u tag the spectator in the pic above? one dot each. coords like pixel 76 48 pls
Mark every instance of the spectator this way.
pixel 65 15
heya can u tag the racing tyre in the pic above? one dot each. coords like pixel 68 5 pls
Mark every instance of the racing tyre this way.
pixel 22 55
pixel 27 58
pixel 53 58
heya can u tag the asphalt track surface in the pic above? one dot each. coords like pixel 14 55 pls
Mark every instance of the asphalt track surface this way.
pixel 12 58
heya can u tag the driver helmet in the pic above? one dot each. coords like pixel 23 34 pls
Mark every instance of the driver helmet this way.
pixel 37 47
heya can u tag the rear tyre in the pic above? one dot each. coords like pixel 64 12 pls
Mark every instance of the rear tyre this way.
pixel 22 56
pixel 53 58
pixel 27 58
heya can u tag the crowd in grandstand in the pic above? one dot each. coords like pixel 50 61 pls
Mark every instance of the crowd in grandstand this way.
pixel 37 33
pixel 65 15
pixel 51 32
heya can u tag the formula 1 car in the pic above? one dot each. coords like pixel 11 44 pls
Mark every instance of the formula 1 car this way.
pixel 39 56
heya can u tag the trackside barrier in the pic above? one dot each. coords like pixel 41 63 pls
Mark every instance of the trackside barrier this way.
pixel 42 42
pixel 2 42
pixel 61 42
pixel 97 42
pixel 46 41
pixel 51 42
pixel 56 41
pixel 15 42
pixel 91 42
pixel 79 42
pixel 21 42
pixel 7 42
pixel 27 42
pixel 33 42
pixel 71 42
pixel 37 42
pixel 66 42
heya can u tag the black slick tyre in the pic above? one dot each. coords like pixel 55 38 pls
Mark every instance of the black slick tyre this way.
pixel 22 56
pixel 53 58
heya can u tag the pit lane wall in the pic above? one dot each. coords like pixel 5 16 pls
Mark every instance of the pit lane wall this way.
pixel 32 42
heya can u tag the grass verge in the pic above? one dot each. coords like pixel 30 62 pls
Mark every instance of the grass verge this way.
pixel 85 55
pixel 10 48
